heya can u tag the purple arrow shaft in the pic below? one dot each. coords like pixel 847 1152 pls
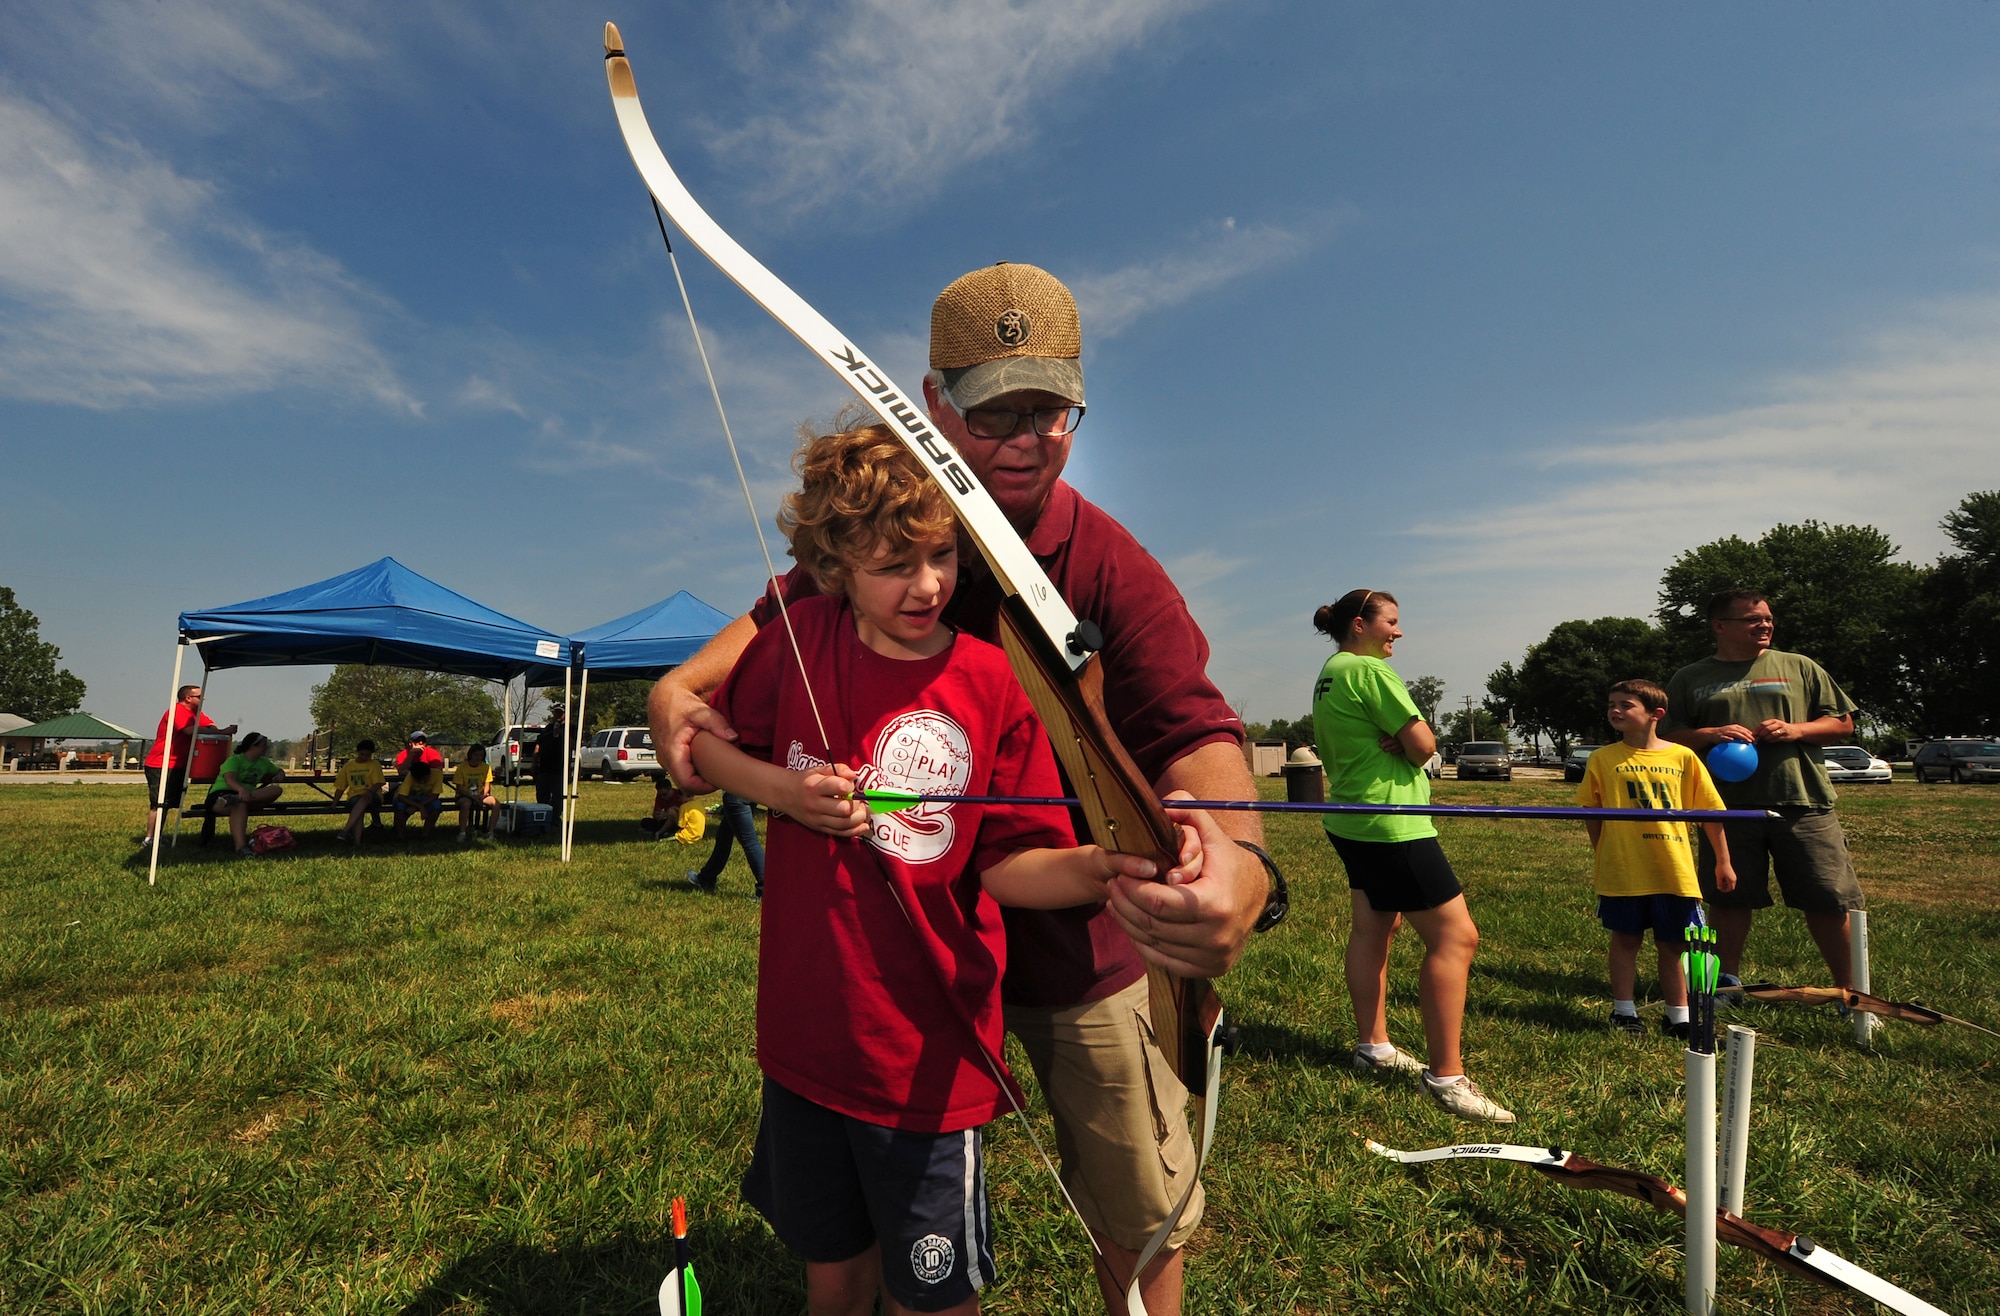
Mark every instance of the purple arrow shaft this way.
pixel 1427 810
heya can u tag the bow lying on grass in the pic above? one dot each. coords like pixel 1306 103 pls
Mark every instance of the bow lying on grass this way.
pixel 1774 994
pixel 895 801
pixel 1793 1252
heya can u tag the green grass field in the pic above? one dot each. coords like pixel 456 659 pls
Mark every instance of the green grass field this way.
pixel 432 1080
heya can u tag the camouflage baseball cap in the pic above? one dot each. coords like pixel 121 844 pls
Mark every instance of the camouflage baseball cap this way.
pixel 1003 329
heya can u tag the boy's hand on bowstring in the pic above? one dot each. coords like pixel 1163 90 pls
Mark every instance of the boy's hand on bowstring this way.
pixel 822 799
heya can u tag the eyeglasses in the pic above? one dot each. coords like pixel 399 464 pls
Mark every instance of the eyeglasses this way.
pixel 1048 422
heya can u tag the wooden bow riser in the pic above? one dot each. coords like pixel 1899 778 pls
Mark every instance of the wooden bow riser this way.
pixel 1119 807
pixel 1772 1245
pixel 1772 993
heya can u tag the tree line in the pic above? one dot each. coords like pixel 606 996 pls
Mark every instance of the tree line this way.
pixel 1916 645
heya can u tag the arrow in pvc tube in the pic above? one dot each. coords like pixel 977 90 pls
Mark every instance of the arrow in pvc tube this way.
pixel 680 1291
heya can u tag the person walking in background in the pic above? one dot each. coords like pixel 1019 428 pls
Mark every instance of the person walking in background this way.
pixel 1374 742
pixel 1643 871
pixel 551 757
pixel 171 753
pixel 1787 706
pixel 739 825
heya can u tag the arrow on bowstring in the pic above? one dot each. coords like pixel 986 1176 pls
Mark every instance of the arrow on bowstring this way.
pixel 1793 1252
pixel 1773 993
pixel 893 801
pixel 1053 654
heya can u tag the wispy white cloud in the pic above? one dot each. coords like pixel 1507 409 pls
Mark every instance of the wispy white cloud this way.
pixel 123 281
pixel 899 93
pixel 1227 251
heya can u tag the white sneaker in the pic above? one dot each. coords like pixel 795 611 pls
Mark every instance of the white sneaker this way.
pixel 1463 1098
pixel 1401 1062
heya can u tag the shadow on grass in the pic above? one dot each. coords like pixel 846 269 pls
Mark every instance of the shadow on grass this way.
pixel 1280 1042
pixel 742 1268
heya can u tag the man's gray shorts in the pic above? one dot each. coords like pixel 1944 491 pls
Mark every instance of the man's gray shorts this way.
pixel 1805 846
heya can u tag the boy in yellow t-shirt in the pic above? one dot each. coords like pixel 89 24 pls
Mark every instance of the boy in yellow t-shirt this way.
pixel 1645 870
pixel 361 779
pixel 472 781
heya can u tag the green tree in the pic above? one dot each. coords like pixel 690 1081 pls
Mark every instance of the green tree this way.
pixel 618 704
pixel 1558 690
pixel 1294 733
pixel 1836 591
pixel 385 704
pixel 1950 634
pixel 1427 692
pixel 31 685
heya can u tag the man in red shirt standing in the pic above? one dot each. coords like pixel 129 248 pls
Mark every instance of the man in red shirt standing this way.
pixel 170 755
pixel 1006 387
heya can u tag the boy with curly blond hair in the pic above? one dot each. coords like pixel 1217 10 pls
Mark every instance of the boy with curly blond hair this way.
pixel 879 1026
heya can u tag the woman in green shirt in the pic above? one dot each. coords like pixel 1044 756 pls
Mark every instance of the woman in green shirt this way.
pixel 246 780
pixel 1374 742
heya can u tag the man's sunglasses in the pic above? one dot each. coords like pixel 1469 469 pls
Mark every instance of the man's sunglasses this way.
pixel 1048 422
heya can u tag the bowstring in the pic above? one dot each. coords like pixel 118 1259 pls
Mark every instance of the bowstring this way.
pixel 777 591
pixel 749 501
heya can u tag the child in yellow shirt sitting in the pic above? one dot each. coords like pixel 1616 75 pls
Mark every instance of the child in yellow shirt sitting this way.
pixel 472 781
pixel 360 778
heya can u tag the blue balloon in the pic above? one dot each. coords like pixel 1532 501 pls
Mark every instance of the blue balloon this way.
pixel 1732 760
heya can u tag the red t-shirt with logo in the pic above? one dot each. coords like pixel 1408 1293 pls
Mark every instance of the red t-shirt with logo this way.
pixel 184 729
pixel 1157 696
pixel 851 1007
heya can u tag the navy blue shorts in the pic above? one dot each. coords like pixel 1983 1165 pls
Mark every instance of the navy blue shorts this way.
pixel 1667 916
pixel 832 1186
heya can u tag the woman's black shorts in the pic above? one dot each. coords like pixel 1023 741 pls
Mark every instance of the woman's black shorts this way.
pixel 1398 877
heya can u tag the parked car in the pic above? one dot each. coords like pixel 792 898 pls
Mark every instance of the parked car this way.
pixel 1484 758
pixel 1434 766
pixel 512 753
pixel 619 754
pixel 1956 759
pixel 1851 765
pixel 1579 756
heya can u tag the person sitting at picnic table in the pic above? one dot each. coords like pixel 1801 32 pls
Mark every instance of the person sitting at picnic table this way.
pixel 248 779
pixel 422 787
pixel 472 782
pixel 360 778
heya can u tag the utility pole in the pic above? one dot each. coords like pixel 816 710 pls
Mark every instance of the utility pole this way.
pixel 1471 728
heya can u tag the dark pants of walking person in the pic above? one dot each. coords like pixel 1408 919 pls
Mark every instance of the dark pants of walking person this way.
pixel 739 823
pixel 549 791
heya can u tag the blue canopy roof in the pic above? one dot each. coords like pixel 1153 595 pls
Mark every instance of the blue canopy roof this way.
pixel 382 614
pixel 642 645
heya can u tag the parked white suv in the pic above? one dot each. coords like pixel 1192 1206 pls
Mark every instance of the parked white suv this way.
pixel 619 754
pixel 511 754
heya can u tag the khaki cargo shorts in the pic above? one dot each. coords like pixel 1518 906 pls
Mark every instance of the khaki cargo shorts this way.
pixel 1805 846
pixel 1120 1114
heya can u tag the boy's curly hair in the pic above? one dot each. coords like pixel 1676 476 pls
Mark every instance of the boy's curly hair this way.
pixel 861 490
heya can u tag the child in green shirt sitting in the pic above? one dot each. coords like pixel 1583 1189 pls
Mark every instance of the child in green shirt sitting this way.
pixel 247 779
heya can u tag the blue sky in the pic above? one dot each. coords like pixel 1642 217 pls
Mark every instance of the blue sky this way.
pixel 1498 308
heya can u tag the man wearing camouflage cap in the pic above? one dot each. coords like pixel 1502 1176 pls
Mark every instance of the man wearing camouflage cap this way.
pixel 1006 387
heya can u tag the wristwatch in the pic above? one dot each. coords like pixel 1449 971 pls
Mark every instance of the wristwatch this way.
pixel 1280 903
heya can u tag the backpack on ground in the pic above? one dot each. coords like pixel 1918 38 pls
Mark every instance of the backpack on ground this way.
pixel 271 837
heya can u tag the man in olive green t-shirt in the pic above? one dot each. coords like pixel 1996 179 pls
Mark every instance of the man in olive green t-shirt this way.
pixel 1787 706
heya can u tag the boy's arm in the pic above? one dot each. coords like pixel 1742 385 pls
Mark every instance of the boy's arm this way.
pixel 820 799
pixel 1595 826
pixel 1725 872
pixel 1064 879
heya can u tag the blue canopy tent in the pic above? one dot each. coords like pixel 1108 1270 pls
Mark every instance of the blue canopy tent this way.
pixel 640 646
pixel 643 645
pixel 383 614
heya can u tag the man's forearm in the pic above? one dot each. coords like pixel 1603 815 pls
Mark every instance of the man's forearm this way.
pixel 1829 730
pixel 1217 771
